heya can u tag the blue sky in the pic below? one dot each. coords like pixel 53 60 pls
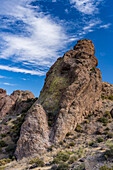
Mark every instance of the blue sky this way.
pixel 34 33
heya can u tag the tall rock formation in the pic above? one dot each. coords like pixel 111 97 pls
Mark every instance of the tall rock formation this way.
pixel 72 90
pixel 34 138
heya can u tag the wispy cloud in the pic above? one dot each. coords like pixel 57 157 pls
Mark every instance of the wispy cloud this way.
pixel 35 39
pixel 86 6
pixel 19 70
pixel 8 84
pixel 105 26
pixel 41 39
pixel 2 77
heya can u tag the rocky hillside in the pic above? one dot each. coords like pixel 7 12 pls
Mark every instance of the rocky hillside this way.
pixel 69 126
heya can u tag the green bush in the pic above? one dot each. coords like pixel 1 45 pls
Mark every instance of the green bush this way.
pixel 4 161
pixel 99 140
pixel 3 135
pixel 80 152
pixel 103 120
pixel 63 166
pixel 37 161
pixel 109 135
pixel 80 167
pixel 78 129
pixel 103 97
pixel 91 143
pixel 72 144
pixel 68 134
pixel 2 144
pixel 105 167
pixel 73 159
pixel 107 129
pixel 61 157
pixel 10 148
pixel 109 153
pixel 107 114
pixel 110 97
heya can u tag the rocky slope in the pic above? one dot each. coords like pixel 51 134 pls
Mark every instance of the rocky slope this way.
pixel 13 110
pixel 73 114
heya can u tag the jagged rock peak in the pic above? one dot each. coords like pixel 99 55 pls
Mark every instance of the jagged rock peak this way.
pixel 3 91
pixel 85 45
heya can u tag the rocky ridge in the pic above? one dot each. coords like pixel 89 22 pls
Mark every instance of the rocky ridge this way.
pixel 73 108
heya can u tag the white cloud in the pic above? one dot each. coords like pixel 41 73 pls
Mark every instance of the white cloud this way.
pixel 19 70
pixel 105 26
pixel 43 37
pixel 86 6
pixel 2 77
pixel 40 38
pixel 8 84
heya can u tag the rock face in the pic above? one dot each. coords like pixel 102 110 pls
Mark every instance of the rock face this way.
pixel 72 89
pixel 8 103
pixel 34 138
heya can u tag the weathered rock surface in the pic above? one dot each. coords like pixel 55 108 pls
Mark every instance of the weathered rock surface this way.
pixel 8 103
pixel 72 89
pixel 34 138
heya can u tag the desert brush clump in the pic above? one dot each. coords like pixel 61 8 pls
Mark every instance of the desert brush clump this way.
pixel 61 157
pixel 106 167
pixel 37 161
pixel 5 161
pixel 63 166
pixel 109 153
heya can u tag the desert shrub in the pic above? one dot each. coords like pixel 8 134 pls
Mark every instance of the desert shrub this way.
pixel 109 153
pixel 73 159
pixel 107 129
pixel 72 144
pixel 9 119
pixel 61 157
pixel 68 134
pixel 103 120
pixel 2 144
pixel 99 140
pixel 10 148
pixel 80 152
pixel 91 143
pixel 78 129
pixel 86 121
pixel 51 148
pixel 105 167
pixel 103 97
pixel 110 97
pixel 63 166
pixel 107 114
pixel 5 123
pixel 80 167
pixel 4 161
pixel 3 135
pixel 109 135
pixel 37 161
pixel 93 69
pixel 69 152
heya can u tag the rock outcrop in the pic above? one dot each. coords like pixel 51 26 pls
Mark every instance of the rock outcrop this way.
pixel 8 104
pixel 72 91
pixel 34 138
